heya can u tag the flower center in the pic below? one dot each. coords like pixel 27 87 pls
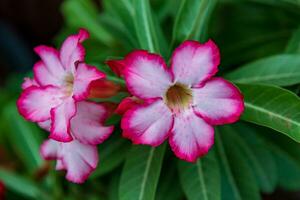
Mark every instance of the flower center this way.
pixel 69 80
pixel 178 97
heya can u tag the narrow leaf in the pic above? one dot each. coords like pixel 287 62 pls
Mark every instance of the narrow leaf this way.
pixel 19 184
pixel 282 70
pixel 141 172
pixel 86 16
pixel 293 46
pixel 238 182
pixel 192 19
pixel 25 138
pixel 272 107
pixel 144 26
pixel 258 156
pixel 110 155
pixel 201 180
pixel 286 153
pixel 169 187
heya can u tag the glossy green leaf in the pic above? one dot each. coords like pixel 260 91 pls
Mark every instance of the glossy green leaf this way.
pixel 238 181
pixel 192 19
pixel 286 153
pixel 113 193
pixel 144 26
pixel 123 11
pixel 19 184
pixel 110 154
pixel 140 174
pixel 272 107
pixel 259 157
pixel 169 187
pixel 201 180
pixel 25 138
pixel 293 46
pixel 279 70
pixel 288 168
pixel 83 13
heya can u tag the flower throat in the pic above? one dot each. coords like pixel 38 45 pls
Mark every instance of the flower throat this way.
pixel 178 97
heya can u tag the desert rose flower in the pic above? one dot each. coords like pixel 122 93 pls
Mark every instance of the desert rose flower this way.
pixel 61 79
pixel 181 103
pixel 80 156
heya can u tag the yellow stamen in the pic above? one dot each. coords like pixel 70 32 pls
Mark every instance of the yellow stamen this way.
pixel 69 80
pixel 178 97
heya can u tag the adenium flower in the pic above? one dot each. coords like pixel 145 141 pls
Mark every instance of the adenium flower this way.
pixel 61 79
pixel 181 103
pixel 80 156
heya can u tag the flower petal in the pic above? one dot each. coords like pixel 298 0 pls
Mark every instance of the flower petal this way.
pixel 72 50
pixel 35 103
pixel 60 118
pixel 28 82
pixel 59 165
pixel 147 124
pixel 46 125
pixel 117 66
pixel 218 102
pixel 191 137
pixel 50 68
pixel 193 63
pixel 44 76
pixel 126 104
pixel 87 125
pixel 49 149
pixel 146 74
pixel 80 160
pixel 84 76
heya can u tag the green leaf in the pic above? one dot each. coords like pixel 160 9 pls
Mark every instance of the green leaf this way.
pixel 113 193
pixel 238 182
pixel 25 137
pixel 282 70
pixel 19 184
pixel 288 170
pixel 288 167
pixel 294 43
pixel 169 187
pixel 144 26
pixel 110 155
pixel 258 156
pixel 123 11
pixel 141 172
pixel 201 180
pixel 272 107
pixel 83 13
pixel 192 19
pixel 286 153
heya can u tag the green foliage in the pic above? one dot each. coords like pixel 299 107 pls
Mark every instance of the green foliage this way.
pixel 238 181
pixel 282 70
pixel 202 176
pixel 141 172
pixel 260 50
pixel 273 107
pixel 192 19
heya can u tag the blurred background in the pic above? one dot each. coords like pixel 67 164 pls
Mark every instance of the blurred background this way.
pixel 261 29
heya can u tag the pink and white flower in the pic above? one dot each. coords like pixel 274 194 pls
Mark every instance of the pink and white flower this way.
pixel 79 160
pixel 181 103
pixel 80 156
pixel 61 79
